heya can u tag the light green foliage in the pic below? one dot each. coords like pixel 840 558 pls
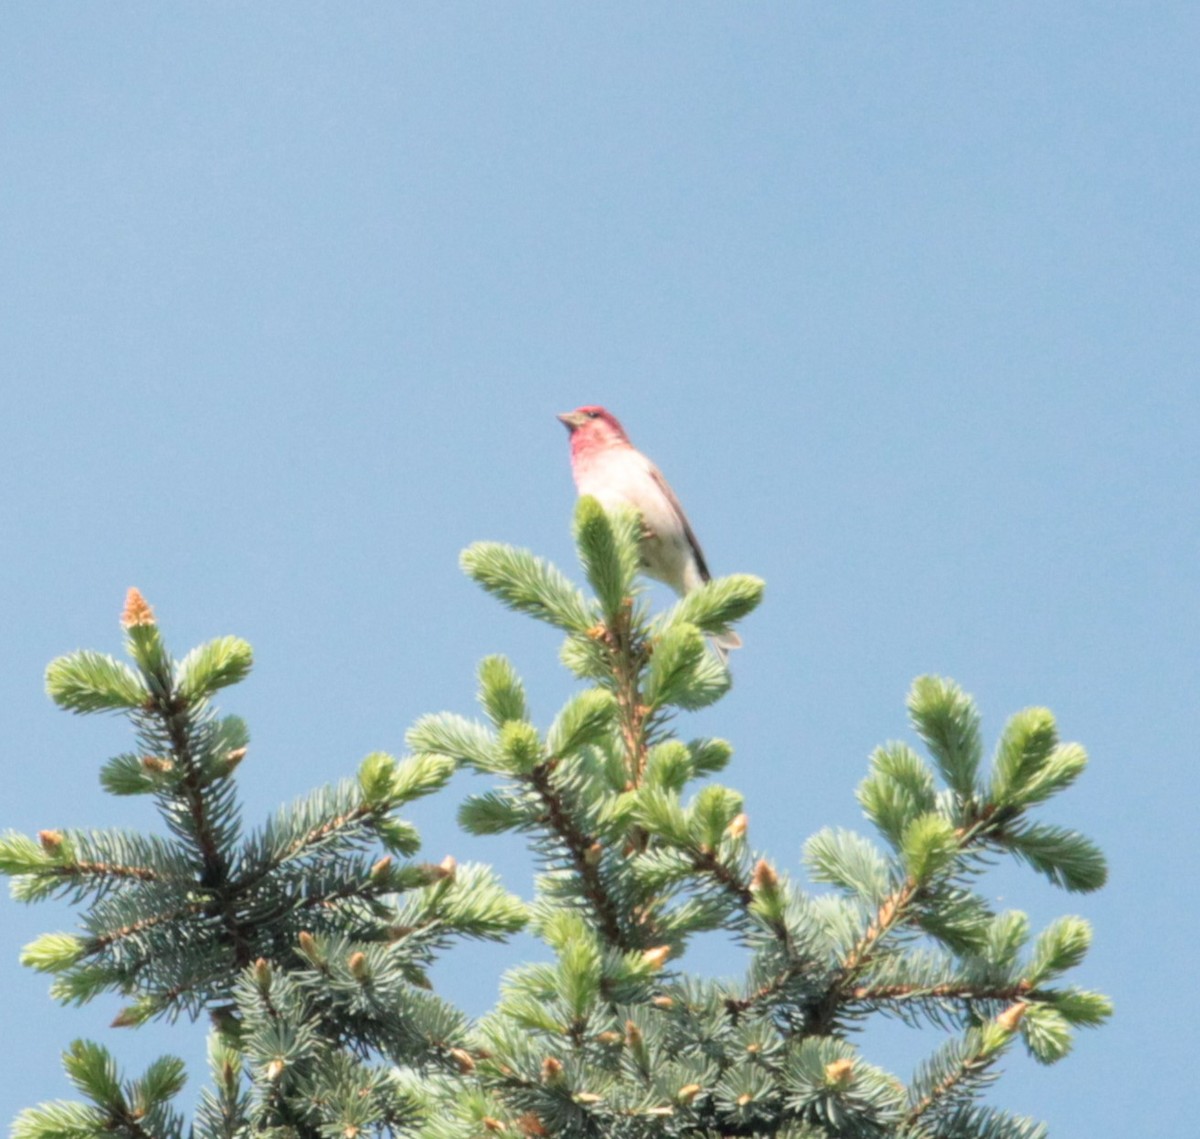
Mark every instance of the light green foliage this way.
pixel 375 775
pixel 471 903
pixel 457 737
pixel 1081 1008
pixel 174 924
pixel 703 682
pixel 678 653
pixel 1046 1032
pixel 310 940
pixel 716 605
pixel 585 657
pixel 1066 857
pixel 520 748
pixel 145 645
pixel 493 813
pixel 1007 935
pixel 712 811
pixel 947 720
pixel 86 681
pixel 1061 768
pixel 134 1107
pixel 851 862
pixel 710 756
pixel 586 719
pixel 1061 946
pixel 899 789
pixel 53 952
pixel 20 855
pixel 500 691
pixel 669 766
pixel 397 836
pixel 419 775
pixel 929 845
pixel 527 584
pixel 1028 741
pixel 128 775
pixel 212 666
pixel 93 1071
pixel 608 551
pixel 663 814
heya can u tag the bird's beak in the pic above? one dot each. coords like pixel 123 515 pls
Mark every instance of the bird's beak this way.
pixel 569 419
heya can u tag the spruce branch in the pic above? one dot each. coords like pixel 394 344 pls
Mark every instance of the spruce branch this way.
pixel 312 947
pixel 729 878
pixel 77 869
pixel 626 654
pixel 579 846
pixel 961 1067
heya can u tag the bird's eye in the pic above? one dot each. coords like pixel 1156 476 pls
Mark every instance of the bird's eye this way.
pixel 593 415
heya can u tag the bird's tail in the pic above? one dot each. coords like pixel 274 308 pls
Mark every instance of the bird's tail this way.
pixel 724 643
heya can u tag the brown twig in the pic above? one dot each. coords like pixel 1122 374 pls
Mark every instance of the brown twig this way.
pixel 706 862
pixel 578 843
pixel 102 942
pixel 105 870
pixel 627 660
pixel 1021 990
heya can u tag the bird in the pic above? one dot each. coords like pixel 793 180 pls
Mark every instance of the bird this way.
pixel 608 467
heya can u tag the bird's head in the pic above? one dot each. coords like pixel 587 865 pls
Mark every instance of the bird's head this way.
pixel 592 428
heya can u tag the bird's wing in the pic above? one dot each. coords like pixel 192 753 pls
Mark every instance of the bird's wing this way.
pixel 688 533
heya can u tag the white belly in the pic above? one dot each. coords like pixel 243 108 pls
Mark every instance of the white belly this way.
pixel 622 477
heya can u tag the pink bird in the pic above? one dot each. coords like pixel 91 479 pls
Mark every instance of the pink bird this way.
pixel 608 467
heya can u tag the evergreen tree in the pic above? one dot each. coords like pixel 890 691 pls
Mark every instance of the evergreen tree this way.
pixel 307 941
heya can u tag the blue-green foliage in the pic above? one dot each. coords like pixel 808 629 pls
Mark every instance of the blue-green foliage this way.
pixel 309 940
pixel 573 1049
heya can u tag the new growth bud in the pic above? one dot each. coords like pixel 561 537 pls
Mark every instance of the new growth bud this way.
pixel 764 878
pixel 129 1017
pixel 839 1073
pixel 1011 1017
pixel 443 871
pixel 51 841
pixel 137 610
pixel 657 957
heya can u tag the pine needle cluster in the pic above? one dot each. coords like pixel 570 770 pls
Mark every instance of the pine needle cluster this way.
pixel 307 941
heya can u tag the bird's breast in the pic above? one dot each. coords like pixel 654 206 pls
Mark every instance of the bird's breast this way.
pixel 624 477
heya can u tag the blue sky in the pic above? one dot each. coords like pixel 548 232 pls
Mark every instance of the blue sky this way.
pixel 903 299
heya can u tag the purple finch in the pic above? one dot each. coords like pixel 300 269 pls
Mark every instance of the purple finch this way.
pixel 608 467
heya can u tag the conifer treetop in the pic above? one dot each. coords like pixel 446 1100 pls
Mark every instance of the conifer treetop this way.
pixel 307 941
